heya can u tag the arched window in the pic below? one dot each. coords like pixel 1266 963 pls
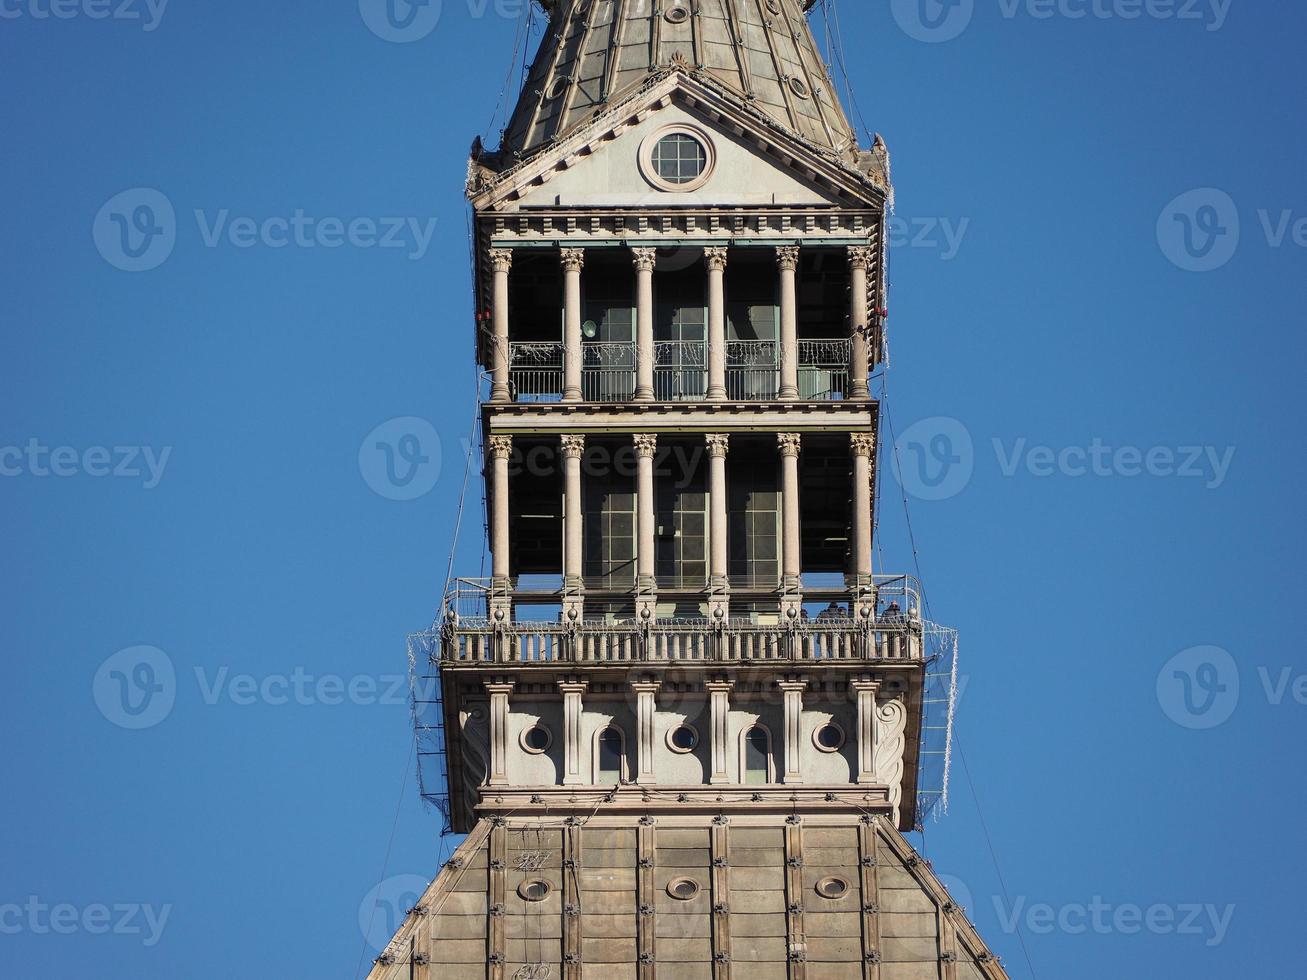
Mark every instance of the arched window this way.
pixel 609 757
pixel 756 756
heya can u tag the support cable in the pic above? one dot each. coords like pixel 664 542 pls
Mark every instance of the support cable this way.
pixel 385 865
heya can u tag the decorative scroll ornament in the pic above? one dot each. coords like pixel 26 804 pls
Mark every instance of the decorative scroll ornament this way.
pixel 863 443
pixel 861 256
pixel 892 719
pixel 644 259
pixel 573 445
pixel 476 760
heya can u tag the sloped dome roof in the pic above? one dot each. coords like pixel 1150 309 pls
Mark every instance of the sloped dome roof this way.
pixel 597 51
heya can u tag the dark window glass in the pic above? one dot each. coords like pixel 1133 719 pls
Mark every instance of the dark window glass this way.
pixel 681 514
pixel 679 159
pixel 755 757
pixel 829 737
pixel 610 757
pixel 684 738
pixel 755 522
pixel 537 739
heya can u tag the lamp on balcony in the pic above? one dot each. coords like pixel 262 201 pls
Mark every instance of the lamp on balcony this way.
pixel 590 330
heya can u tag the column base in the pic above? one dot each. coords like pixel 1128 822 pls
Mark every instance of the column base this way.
pixel 501 600
pixel 862 595
pixel 716 395
pixel 501 393
pixel 859 391
pixel 788 395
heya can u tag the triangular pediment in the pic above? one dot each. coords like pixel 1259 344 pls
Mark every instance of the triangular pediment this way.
pixel 756 163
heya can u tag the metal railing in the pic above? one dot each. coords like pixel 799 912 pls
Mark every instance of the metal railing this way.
pixel 470 636
pixel 607 371
pixel 752 370
pixel 535 372
pixel 824 369
pixel 680 370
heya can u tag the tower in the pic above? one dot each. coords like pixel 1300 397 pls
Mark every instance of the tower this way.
pixel 684 717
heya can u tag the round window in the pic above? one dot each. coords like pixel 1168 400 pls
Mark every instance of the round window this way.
pixel 677 14
pixel 679 159
pixel 828 737
pixel 535 890
pixel 682 739
pixel 832 887
pixel 537 739
pixel 800 88
pixel 683 889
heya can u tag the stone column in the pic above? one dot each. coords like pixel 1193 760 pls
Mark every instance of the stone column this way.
pixel 501 261
pixel 793 688
pixel 573 260
pixel 718 580
pixel 787 259
pixel 865 689
pixel 572 689
pixel 791 543
pixel 646 448
pixel 499 690
pixel 719 693
pixel 644 327
pixel 716 258
pixel 861 258
pixel 501 585
pixel 863 445
pixel 573 449
pixel 645 692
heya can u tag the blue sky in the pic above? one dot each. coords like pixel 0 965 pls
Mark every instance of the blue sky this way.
pixel 1092 386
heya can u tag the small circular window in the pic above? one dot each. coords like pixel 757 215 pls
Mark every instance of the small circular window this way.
pixel 682 739
pixel 832 887
pixel 679 158
pixel 537 739
pixel 677 14
pixel 683 889
pixel 829 737
pixel 800 88
pixel 535 890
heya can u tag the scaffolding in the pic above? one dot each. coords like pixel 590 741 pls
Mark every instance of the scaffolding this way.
pixel 939 709
pixel 428 707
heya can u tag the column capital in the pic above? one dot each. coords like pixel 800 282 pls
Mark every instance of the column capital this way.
pixel 644 259
pixel 863 443
pixel 787 257
pixel 646 444
pixel 716 257
pixel 864 684
pixel 501 447
pixel 790 443
pixel 573 259
pixel 498 685
pixel 573 445
pixel 718 444
pixel 861 256
pixel 792 684
pixel 719 686
pixel 572 685
pixel 501 259
pixel 646 687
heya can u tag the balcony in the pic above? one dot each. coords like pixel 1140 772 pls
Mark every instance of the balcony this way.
pixel 469 637
pixel 537 371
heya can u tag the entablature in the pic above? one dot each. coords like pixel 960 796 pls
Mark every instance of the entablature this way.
pixel 674 417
